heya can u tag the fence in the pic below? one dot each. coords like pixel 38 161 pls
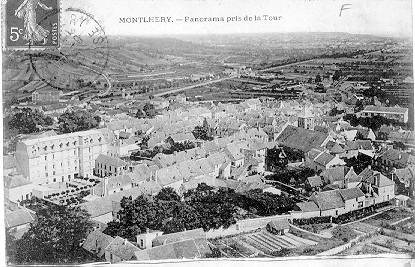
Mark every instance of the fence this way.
pixel 246 225
pixel 348 245
pixel 307 232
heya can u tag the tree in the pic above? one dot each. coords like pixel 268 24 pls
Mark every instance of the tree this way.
pixel 215 208
pixel 202 132
pixel 267 204
pixel 12 101
pixel 198 193
pixel 359 163
pixel 214 215
pixel 399 145
pixel 359 136
pixel 299 176
pixel 359 106
pixel 74 121
pixel 337 74
pixel 283 252
pixel 27 121
pixel 149 110
pixel 293 155
pixel 184 217
pixel 276 159
pixel 55 237
pixel 373 123
pixel 167 194
pixel 318 78
pixel 135 216
pixel 215 253
pixel 334 112
pixel 140 114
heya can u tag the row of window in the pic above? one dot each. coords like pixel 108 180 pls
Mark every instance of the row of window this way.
pixel 399 116
pixel 53 165
pixel 54 180
pixel 61 145
pixel 74 152
pixel 53 155
pixel 110 168
pixel 54 172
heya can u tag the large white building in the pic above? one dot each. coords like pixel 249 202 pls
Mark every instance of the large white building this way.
pixel 393 113
pixel 60 158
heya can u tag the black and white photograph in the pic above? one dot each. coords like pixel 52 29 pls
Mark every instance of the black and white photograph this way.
pixel 211 131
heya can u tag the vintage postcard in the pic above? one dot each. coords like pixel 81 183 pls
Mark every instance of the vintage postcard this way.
pixel 257 131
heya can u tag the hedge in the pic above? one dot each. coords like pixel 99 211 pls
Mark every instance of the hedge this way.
pixel 313 220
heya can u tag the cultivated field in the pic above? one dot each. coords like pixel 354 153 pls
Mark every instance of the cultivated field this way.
pixel 262 243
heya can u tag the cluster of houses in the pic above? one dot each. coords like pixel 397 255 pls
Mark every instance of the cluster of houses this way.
pixel 235 158
pixel 345 191
pixel 150 245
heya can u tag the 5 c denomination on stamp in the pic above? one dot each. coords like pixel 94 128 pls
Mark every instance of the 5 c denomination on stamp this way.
pixel 33 23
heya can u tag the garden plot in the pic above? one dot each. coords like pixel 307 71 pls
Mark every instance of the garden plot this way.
pixel 363 228
pixel 394 244
pixel 261 243
pixel 233 248
pixel 398 234
pixel 270 243
pixel 388 217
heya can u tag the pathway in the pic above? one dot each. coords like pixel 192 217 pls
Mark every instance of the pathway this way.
pixel 308 232
pixel 404 219
pixel 370 216
pixel 191 86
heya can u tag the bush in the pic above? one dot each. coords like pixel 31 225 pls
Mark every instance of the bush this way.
pixel 313 220
pixel 353 215
pixel 283 252
pixel 344 233
pixel 215 253
pixel 387 225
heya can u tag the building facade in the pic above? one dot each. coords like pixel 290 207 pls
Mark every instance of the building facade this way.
pixel 393 113
pixel 46 96
pixel 306 120
pixel 106 166
pixel 60 158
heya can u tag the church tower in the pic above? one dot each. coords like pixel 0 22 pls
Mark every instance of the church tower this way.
pixel 306 119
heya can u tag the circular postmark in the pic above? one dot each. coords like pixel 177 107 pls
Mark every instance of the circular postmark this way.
pixel 82 56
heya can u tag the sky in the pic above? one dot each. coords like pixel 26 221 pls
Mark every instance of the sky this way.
pixel 378 17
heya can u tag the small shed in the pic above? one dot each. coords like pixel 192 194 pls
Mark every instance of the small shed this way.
pixel 278 227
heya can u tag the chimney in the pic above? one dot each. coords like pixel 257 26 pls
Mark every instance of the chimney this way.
pixel 147 230
pixel 377 178
pixel 125 242
pixel 105 186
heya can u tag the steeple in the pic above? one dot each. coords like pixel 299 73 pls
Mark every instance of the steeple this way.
pixel 306 119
